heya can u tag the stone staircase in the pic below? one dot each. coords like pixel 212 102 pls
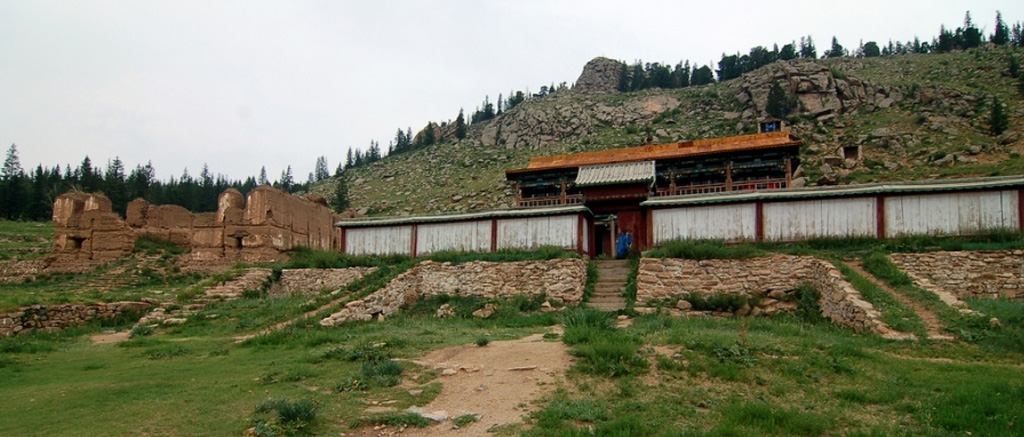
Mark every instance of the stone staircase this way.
pixel 611 284
pixel 252 279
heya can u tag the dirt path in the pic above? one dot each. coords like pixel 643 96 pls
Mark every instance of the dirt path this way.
pixel 497 382
pixel 932 322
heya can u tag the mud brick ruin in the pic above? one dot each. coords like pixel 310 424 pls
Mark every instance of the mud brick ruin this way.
pixel 257 228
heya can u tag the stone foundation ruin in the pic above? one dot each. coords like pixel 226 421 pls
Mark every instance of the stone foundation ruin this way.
pixel 256 228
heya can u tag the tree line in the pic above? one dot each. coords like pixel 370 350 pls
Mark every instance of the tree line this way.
pixel 29 195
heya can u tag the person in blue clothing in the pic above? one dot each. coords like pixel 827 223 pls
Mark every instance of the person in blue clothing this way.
pixel 624 244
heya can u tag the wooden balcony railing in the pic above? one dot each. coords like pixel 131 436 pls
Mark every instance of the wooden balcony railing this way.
pixel 759 184
pixel 571 199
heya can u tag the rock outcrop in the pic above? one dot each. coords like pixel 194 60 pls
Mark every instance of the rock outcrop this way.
pixel 821 92
pixel 599 75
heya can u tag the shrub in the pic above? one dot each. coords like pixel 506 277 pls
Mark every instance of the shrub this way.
pixel 808 307
pixel 482 341
pixel 383 373
pixel 291 417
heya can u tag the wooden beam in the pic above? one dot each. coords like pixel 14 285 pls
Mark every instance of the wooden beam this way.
pixel 344 235
pixel 580 223
pixel 649 218
pixel 1020 209
pixel 415 236
pixel 789 172
pixel 494 235
pixel 880 217
pixel 728 177
pixel 758 221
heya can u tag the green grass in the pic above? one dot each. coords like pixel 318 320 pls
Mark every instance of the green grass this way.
pixel 783 376
pixel 25 240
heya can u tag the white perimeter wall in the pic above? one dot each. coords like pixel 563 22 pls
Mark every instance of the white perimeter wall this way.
pixel 950 213
pixel 787 221
pixel 472 236
pixel 718 222
pixel 386 240
pixel 533 232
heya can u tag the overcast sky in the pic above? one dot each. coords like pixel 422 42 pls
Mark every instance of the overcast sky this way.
pixel 242 84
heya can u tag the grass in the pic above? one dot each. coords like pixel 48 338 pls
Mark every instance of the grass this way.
pixel 784 376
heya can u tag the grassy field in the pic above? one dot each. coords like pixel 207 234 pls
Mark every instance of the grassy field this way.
pixel 660 375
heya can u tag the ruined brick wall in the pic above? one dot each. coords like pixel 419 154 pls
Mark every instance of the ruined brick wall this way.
pixel 85 228
pixel 987 274
pixel 561 280
pixel 50 318
pixel 772 280
pixel 258 229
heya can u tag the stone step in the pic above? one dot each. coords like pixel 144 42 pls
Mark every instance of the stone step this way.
pixel 608 306
pixel 606 299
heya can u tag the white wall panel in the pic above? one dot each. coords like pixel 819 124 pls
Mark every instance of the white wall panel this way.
pixel 474 236
pixel 721 222
pixel 950 213
pixel 386 240
pixel 533 232
pixel 796 220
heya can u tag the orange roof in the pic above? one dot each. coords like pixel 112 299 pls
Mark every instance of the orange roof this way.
pixel 686 149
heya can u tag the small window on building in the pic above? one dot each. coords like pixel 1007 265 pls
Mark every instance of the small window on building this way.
pixel 76 243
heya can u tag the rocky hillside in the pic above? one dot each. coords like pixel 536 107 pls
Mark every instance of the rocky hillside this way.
pixel 861 120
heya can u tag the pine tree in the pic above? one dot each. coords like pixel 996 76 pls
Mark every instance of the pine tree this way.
pixel 971 35
pixel 778 104
pixel 999 121
pixel 807 49
pixel 837 50
pixel 320 171
pixel 460 122
pixel 1001 34
pixel 115 186
pixel 13 198
pixel 340 201
pixel 263 177
pixel 287 180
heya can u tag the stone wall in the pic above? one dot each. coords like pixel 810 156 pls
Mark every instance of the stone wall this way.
pixel 257 228
pixel 562 280
pixel 312 281
pixel 52 318
pixel 986 274
pixel 770 281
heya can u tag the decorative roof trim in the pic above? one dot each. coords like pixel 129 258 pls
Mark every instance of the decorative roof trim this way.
pixel 622 173
pixel 483 215
pixel 913 187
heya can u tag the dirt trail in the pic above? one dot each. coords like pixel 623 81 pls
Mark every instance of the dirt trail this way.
pixel 934 325
pixel 497 382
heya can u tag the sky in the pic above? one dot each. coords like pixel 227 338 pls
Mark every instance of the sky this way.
pixel 239 85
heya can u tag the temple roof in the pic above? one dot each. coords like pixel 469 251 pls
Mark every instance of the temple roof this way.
pixel 654 152
pixel 622 173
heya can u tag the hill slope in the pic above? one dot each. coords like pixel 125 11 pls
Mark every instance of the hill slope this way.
pixel 906 117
